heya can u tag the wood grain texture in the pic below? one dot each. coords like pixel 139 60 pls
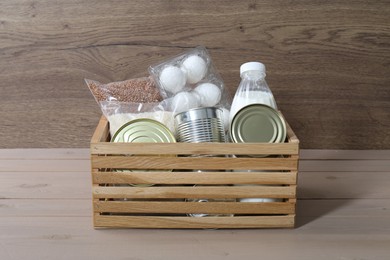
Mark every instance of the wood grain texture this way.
pixel 193 177
pixel 107 157
pixel 327 62
pixel 46 213
pixel 194 192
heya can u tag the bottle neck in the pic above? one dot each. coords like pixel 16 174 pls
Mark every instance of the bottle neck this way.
pixel 253 75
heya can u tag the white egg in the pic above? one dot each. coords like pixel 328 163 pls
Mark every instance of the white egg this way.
pixel 184 101
pixel 195 68
pixel 172 79
pixel 209 93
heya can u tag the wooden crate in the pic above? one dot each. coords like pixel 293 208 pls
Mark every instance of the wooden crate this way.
pixel 166 204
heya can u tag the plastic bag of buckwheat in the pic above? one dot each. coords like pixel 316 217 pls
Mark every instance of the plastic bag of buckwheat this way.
pixel 138 90
pixel 127 100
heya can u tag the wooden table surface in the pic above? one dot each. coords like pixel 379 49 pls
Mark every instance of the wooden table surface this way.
pixel 45 213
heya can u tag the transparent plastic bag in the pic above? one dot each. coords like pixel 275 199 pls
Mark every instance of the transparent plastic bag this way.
pixel 120 113
pixel 138 90
pixel 123 101
pixel 189 80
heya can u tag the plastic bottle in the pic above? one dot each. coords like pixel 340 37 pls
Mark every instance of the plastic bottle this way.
pixel 253 88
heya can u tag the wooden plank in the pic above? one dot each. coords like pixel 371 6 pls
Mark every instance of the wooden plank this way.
pixel 344 165
pixel 102 131
pixel 49 207
pixel 54 165
pixel 48 185
pixel 188 222
pixel 194 178
pixel 312 209
pixel 310 50
pixel 32 114
pixel 291 136
pixel 194 207
pixel 336 185
pixel 310 154
pixel 44 153
pixel 207 163
pixel 195 192
pixel 194 148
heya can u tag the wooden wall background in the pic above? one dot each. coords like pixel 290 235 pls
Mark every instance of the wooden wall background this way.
pixel 327 61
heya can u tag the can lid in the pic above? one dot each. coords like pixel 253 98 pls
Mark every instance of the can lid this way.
pixel 253 65
pixel 258 123
pixel 143 130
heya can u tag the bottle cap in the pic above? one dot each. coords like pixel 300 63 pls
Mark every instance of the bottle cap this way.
pixel 256 66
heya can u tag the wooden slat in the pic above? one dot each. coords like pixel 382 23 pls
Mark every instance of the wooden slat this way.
pixel 41 165
pixel 291 136
pixel 189 222
pixel 195 192
pixel 46 154
pixel 101 132
pixel 52 207
pixel 194 148
pixel 145 162
pixel 311 209
pixel 344 165
pixel 337 185
pixel 310 154
pixel 194 178
pixel 45 185
pixel 194 207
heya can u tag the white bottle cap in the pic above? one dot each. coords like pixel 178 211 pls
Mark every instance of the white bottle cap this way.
pixel 256 66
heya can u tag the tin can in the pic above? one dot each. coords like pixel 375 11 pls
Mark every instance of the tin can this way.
pixel 205 200
pixel 143 130
pixel 200 125
pixel 258 123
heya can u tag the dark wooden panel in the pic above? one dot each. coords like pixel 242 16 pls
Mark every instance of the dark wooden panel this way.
pixel 327 62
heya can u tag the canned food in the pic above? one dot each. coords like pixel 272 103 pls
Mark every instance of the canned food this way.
pixel 258 123
pixel 200 125
pixel 199 215
pixel 143 130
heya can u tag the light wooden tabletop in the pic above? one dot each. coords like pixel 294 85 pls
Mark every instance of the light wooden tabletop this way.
pixel 45 213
